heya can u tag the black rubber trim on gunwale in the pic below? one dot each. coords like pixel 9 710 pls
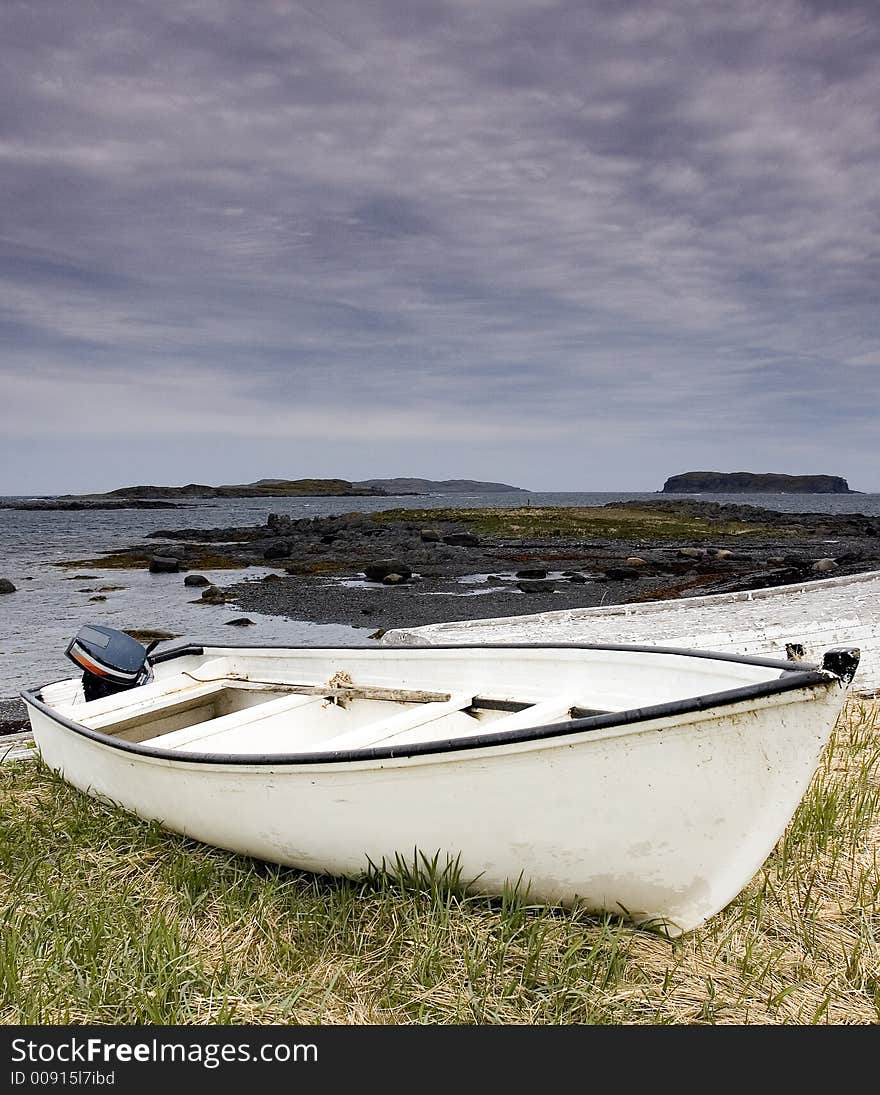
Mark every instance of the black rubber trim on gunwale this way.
pixel 176 652
pixel 795 677
pixel 638 648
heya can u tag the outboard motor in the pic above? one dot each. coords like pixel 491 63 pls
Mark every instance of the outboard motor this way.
pixel 111 660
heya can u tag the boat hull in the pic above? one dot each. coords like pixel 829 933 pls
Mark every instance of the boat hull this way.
pixel 662 821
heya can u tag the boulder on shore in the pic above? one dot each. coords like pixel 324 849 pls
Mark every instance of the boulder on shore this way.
pixel 196 580
pixel 536 586
pixel 622 574
pixel 279 550
pixel 6 586
pixel 824 566
pixel 378 571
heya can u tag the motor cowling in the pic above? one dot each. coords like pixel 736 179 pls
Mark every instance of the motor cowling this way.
pixel 111 661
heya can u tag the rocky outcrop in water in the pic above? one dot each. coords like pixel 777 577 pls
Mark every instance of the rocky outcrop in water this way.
pixel 71 503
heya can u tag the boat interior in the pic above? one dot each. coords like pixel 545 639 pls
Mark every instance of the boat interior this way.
pixel 239 717
pixel 231 704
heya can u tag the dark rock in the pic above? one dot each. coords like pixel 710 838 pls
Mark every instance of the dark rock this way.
pixel 273 578
pixel 240 621
pixel 6 586
pixel 98 597
pixel 279 550
pixel 196 580
pixel 461 539
pixel 376 572
pixel 578 579
pixel 164 564
pixel 213 596
pixel 622 574
pixel 377 634
pixel 532 572
pixel 528 586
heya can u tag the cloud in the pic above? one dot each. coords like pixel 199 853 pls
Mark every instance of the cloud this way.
pixel 541 219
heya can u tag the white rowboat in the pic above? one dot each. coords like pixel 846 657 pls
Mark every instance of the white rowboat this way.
pixel 642 781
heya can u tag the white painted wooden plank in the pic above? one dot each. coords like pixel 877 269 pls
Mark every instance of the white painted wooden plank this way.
pixel 238 726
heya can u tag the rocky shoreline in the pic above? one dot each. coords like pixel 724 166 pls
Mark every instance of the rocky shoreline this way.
pixel 405 568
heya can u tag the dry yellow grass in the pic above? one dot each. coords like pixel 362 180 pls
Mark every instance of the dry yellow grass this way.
pixel 106 919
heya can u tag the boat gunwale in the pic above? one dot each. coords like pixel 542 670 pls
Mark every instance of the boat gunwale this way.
pixel 794 677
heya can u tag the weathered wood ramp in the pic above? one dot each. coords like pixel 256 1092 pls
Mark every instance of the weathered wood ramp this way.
pixel 17 747
pixel 811 616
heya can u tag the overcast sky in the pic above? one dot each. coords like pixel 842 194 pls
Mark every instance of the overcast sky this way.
pixel 567 245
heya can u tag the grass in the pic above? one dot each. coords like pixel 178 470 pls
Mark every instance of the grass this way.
pixel 107 919
pixel 580 522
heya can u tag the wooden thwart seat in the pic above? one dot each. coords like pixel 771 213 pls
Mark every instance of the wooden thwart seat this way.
pixel 536 714
pixel 384 730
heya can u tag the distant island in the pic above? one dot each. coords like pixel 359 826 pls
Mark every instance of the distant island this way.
pixel 282 488
pixel 747 482
pixel 149 496
pixel 262 488
pixel 437 486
